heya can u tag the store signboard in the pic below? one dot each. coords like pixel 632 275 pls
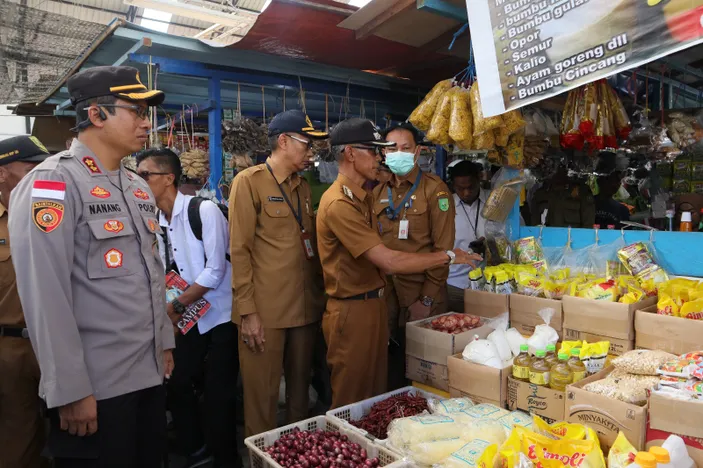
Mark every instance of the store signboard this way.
pixel 530 50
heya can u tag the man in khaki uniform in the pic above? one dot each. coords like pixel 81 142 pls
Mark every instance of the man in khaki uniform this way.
pixel 276 275
pixel 415 215
pixel 21 425
pixel 353 257
pixel 92 283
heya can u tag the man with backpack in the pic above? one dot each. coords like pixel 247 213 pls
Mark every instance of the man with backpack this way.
pixel 195 245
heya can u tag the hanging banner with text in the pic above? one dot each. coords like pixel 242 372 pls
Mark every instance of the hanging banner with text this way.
pixel 530 50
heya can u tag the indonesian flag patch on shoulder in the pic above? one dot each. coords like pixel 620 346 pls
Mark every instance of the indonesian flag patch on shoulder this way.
pixel 52 189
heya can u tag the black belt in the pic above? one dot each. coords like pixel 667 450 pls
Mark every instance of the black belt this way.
pixel 375 294
pixel 15 332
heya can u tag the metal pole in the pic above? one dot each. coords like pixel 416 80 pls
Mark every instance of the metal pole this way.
pixel 441 162
pixel 214 123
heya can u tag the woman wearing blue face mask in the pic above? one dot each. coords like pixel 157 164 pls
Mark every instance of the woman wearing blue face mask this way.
pixel 415 214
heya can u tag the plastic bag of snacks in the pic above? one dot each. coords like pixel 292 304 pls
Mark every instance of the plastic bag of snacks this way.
pixel 623 127
pixel 639 261
pixel 629 388
pixel 421 117
pixel 529 252
pixel 642 361
pixel 513 151
pixel 570 136
pixel 439 127
pixel 484 141
pixel 482 124
pixel 501 136
pixel 513 121
pixel 461 120
pixel 559 429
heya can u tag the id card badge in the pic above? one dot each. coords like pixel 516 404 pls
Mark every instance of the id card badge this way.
pixel 403 227
pixel 306 238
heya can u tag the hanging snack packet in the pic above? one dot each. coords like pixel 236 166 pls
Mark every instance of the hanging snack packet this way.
pixel 484 141
pixel 421 117
pixel 439 127
pixel 482 124
pixel 460 121
pixel 528 251
pixel 590 108
pixel 501 136
pixel 640 263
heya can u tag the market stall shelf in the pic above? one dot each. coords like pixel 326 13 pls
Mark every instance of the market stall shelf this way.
pixel 260 459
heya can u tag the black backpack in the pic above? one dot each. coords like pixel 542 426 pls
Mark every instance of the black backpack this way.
pixel 196 224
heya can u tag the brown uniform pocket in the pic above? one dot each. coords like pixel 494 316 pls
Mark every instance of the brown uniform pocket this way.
pixel 111 253
pixel 418 217
pixel 275 220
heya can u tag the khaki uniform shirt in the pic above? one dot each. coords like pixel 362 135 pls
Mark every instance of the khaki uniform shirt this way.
pixel 10 307
pixel 345 231
pixel 271 275
pixel 90 277
pixel 430 215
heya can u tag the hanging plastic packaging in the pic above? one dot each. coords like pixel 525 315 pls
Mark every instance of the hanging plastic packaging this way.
pixel 421 117
pixel 482 124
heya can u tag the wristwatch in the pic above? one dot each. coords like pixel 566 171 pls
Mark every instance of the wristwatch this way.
pixel 427 301
pixel 178 307
pixel 452 256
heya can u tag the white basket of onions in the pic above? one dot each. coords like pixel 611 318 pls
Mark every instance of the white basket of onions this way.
pixel 317 443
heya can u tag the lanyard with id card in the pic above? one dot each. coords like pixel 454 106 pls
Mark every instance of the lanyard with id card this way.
pixel 305 237
pixel 393 212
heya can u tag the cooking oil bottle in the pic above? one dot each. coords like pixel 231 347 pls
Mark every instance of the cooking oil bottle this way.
pixel 576 366
pixel 521 364
pixel 539 369
pixel 561 375
pixel 551 356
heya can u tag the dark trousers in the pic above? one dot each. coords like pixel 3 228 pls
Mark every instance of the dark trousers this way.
pixel 131 434
pixel 209 364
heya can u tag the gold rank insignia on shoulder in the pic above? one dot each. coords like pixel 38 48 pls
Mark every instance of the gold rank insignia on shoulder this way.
pixel 439 194
pixel 348 192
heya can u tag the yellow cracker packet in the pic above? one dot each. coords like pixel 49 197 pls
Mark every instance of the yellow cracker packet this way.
pixel 555 289
pixel 560 274
pixel 632 297
pixel 529 284
pixel 667 306
pixel 692 310
pixel 600 290
pixel 559 430
pixel 640 263
pixel 487 458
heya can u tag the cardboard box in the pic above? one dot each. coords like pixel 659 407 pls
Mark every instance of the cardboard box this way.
pixel 676 416
pixel 535 399
pixel 479 383
pixel 524 313
pixel 675 335
pixel 485 304
pixel 606 415
pixel 426 372
pixel 617 346
pixel 601 317
pixel 435 346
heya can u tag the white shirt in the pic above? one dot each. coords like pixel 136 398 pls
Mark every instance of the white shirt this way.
pixel 190 254
pixel 467 231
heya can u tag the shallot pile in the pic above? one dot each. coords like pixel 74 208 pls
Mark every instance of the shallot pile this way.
pixel 382 413
pixel 455 323
pixel 327 449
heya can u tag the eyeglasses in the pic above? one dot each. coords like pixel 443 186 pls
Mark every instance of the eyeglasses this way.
pixel 307 143
pixel 146 174
pixel 142 112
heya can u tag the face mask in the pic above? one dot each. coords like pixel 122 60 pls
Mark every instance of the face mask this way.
pixel 400 163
